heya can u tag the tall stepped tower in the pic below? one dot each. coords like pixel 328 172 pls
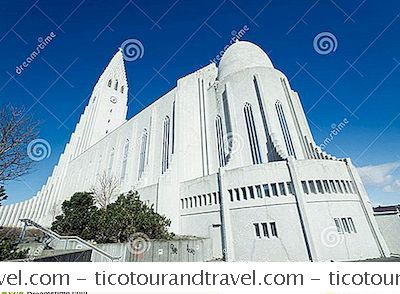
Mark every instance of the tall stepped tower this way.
pixel 106 111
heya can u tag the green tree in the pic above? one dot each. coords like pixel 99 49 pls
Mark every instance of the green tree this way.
pixel 3 195
pixel 78 217
pixel 9 245
pixel 129 215
pixel 9 250
pixel 116 222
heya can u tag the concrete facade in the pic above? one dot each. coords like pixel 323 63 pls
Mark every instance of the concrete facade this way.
pixel 227 155
pixel 388 219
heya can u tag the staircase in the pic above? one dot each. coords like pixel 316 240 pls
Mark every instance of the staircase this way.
pixel 65 239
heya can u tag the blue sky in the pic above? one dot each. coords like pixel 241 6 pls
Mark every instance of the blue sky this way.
pixel 358 81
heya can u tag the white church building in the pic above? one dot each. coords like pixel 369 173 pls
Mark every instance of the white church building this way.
pixel 227 155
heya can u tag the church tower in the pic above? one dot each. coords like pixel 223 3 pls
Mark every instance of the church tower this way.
pixel 106 111
pixel 107 107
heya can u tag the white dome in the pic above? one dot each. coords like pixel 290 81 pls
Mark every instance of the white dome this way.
pixel 242 55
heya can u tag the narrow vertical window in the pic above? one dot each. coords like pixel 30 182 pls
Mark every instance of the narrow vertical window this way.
pixel 338 186
pixel 237 193
pixel 142 155
pixel 230 195
pixel 266 190
pixel 259 191
pixel 305 187
pixel 274 190
pixel 282 189
pixel 344 186
pixel 227 114
pixel 116 85
pixel 351 225
pixel 338 225
pixel 265 229
pixel 244 193
pixel 263 116
pixel 285 129
pixel 124 160
pixel 333 187
pixel 326 186
pixel 251 191
pixel 122 89
pixel 312 187
pixel 165 144
pixel 173 129
pixel 109 83
pixel 252 134
pixel 220 141
pixel 345 225
pixel 290 187
pixel 319 187
pixel 274 231
pixel 257 230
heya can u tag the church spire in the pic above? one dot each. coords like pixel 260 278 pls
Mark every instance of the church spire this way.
pixel 115 69
pixel 107 108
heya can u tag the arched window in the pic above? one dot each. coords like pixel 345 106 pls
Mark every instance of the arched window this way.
pixel 252 134
pixel 220 141
pixel 109 83
pixel 165 144
pixel 285 128
pixel 122 89
pixel 124 160
pixel 142 155
pixel 173 128
pixel 116 85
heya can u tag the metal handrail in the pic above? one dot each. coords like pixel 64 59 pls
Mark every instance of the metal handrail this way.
pixel 29 222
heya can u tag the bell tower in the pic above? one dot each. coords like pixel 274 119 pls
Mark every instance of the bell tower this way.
pixel 107 107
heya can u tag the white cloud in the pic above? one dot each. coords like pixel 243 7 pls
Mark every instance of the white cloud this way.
pixel 381 176
pixel 393 187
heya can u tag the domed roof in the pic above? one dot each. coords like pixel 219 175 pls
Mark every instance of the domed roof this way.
pixel 242 55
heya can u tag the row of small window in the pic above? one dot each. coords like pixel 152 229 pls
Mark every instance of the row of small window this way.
pixel 345 225
pixel 328 186
pixel 200 200
pixel 261 191
pixel 265 230
pixel 115 85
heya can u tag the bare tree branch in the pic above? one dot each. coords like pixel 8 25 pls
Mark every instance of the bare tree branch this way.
pixel 17 130
pixel 105 189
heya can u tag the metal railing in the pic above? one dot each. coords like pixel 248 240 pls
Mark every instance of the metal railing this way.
pixel 66 239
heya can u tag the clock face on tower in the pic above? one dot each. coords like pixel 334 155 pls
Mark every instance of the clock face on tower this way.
pixel 113 99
